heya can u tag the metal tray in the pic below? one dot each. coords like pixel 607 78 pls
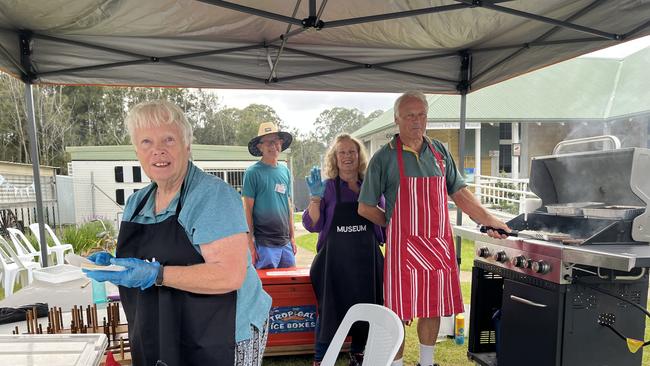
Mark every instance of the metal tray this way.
pixel 571 208
pixel 613 212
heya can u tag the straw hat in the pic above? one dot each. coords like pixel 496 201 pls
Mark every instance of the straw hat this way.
pixel 267 128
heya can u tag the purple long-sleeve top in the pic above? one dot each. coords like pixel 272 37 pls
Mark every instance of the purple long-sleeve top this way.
pixel 327 205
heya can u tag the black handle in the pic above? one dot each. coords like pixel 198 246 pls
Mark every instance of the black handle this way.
pixel 484 229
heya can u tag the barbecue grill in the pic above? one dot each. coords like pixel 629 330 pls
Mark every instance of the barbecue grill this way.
pixel 572 299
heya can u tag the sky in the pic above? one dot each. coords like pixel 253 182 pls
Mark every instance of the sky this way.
pixel 300 109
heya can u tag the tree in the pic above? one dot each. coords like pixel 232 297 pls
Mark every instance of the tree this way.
pixel 94 115
pixel 53 123
pixel 13 132
pixel 374 114
pixel 306 151
pixel 332 122
pixel 249 121
pixel 218 127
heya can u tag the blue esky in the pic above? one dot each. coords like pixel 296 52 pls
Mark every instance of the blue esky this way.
pixel 301 108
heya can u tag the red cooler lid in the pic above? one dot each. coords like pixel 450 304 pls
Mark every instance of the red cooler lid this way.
pixel 292 275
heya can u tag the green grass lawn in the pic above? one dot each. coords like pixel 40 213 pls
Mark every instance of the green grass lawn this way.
pixel 307 242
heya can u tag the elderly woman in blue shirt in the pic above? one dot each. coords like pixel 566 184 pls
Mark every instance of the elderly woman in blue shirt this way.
pixel 348 266
pixel 189 291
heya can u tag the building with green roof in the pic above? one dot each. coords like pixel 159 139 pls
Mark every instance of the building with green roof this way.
pixel 577 98
pixel 104 176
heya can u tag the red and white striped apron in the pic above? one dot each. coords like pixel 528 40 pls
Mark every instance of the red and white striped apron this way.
pixel 420 274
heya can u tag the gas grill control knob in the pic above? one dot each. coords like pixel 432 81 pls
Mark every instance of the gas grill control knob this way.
pixel 520 261
pixel 541 267
pixel 483 252
pixel 500 256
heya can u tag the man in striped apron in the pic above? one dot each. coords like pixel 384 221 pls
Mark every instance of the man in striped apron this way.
pixel 415 175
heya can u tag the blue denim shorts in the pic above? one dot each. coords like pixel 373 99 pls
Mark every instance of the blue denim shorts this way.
pixel 275 257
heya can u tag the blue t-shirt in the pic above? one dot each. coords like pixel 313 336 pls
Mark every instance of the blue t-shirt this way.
pixel 211 210
pixel 270 187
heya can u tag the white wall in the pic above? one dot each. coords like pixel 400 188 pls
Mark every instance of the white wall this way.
pixel 378 139
pixel 65 199
pixel 90 204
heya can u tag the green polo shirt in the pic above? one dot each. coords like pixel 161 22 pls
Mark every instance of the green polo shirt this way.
pixel 382 176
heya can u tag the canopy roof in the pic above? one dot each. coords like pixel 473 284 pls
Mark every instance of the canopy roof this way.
pixel 437 46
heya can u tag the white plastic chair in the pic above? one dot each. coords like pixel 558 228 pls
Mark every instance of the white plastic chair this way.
pixel 24 248
pixel 25 268
pixel 385 335
pixel 9 268
pixel 58 248
pixel 8 271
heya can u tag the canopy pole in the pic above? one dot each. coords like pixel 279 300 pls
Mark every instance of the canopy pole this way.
pixel 25 43
pixel 33 149
pixel 543 19
pixel 254 11
pixel 312 6
pixel 477 162
pixel 463 88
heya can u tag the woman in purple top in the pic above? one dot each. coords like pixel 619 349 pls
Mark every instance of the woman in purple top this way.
pixel 348 268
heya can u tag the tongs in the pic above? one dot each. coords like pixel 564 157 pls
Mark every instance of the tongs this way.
pixel 484 229
pixel 528 234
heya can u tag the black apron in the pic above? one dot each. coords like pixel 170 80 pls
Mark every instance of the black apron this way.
pixel 347 270
pixel 174 326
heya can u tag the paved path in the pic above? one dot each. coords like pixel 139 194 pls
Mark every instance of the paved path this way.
pixel 304 256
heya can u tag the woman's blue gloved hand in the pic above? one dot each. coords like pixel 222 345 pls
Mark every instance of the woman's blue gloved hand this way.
pixel 138 273
pixel 314 183
pixel 101 258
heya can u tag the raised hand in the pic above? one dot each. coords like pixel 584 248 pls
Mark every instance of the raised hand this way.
pixel 314 183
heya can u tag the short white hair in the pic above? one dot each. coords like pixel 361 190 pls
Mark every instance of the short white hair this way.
pixel 158 113
pixel 407 95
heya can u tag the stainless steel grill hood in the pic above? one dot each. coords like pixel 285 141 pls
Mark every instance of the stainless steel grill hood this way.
pixel 614 177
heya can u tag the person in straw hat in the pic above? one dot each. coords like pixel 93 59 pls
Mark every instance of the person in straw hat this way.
pixel 267 201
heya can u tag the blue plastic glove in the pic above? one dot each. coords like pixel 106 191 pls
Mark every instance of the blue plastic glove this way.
pixel 101 258
pixel 314 183
pixel 138 273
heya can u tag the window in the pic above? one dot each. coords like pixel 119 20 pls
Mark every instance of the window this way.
pixel 505 158
pixel 119 174
pixel 137 174
pixel 505 131
pixel 119 196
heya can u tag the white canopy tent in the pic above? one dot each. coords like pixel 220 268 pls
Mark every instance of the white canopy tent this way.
pixel 436 46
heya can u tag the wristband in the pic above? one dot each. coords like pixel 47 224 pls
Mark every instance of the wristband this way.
pixel 159 276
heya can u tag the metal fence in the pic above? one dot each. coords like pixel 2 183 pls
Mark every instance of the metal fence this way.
pixel 18 201
pixel 501 193
pixel 234 177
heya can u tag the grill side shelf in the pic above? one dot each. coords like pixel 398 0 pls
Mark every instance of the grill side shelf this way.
pixel 620 257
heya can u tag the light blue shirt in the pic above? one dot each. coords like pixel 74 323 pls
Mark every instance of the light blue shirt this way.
pixel 211 210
